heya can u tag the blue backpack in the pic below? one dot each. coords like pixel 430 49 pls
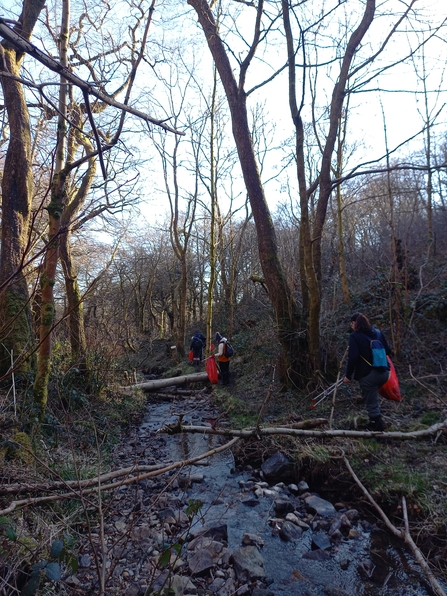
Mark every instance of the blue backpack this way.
pixel 379 359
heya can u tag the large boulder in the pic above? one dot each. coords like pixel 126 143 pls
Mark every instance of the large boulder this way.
pixel 278 468
pixel 248 564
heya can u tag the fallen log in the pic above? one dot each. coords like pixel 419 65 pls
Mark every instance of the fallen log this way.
pixel 303 429
pixel 159 383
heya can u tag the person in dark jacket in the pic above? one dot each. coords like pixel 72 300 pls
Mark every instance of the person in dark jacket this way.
pixel 197 345
pixel 359 366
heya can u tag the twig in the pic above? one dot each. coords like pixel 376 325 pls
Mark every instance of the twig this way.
pixel 81 493
pixel 298 429
pixel 425 386
pixel 403 534
pixel 322 396
pixel 337 383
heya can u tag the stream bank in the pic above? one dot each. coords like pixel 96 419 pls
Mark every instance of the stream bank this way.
pixel 213 529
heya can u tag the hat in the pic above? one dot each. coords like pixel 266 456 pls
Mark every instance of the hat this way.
pixel 218 337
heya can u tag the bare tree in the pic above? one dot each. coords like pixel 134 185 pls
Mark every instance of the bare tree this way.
pixel 288 321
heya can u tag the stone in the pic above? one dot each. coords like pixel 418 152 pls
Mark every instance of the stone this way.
pixel 319 505
pixel 317 555
pixel 133 590
pixel 283 506
pixel 252 540
pixel 248 564
pixel 291 517
pixel 303 487
pixel 216 584
pixel 268 492
pixel 217 532
pixel 277 467
pixel 320 541
pixel 341 522
pixel 120 525
pixel 166 515
pixel 200 562
pixel 72 580
pixel 228 589
pixel 141 533
pixel 181 585
pixel 289 531
pixel 85 561
pixel 344 564
pixel 252 502
pixel 160 581
pixel 352 514
pixel 262 592
pixel 302 524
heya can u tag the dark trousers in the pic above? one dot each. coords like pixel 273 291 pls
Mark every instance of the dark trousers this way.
pixel 225 371
pixel 369 386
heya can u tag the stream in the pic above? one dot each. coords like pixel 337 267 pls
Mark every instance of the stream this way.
pixel 366 562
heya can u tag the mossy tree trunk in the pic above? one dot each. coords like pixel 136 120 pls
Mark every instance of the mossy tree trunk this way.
pixel 55 210
pixel 312 231
pixel 74 205
pixel 16 332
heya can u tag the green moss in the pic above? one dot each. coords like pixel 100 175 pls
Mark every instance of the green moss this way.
pixel 24 454
pixel 14 303
pixel 431 417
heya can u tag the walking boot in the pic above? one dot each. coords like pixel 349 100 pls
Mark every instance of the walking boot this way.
pixel 376 424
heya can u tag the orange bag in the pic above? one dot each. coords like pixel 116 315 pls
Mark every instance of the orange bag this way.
pixel 190 355
pixel 391 389
pixel 211 370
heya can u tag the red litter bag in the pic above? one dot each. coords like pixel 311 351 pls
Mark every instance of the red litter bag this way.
pixel 391 389
pixel 211 370
pixel 190 355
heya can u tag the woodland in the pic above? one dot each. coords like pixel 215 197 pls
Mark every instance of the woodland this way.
pixel 262 169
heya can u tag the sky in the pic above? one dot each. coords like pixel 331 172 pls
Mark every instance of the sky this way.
pixel 396 98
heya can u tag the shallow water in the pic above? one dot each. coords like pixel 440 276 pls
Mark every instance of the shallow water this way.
pixel 390 570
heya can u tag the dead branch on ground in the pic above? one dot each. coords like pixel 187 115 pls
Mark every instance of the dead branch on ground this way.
pixel 402 534
pixel 78 492
pixel 300 429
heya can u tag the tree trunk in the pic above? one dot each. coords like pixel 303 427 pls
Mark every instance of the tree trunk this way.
pixel 213 244
pixel 75 307
pixel 16 332
pixel 311 240
pixel 55 210
pixel 283 301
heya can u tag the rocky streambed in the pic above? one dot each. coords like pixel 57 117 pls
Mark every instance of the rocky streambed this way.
pixel 213 530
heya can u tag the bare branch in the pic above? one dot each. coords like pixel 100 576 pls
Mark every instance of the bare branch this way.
pixel 25 46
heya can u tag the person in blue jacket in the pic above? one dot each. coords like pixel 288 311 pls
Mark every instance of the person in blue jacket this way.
pixel 359 365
